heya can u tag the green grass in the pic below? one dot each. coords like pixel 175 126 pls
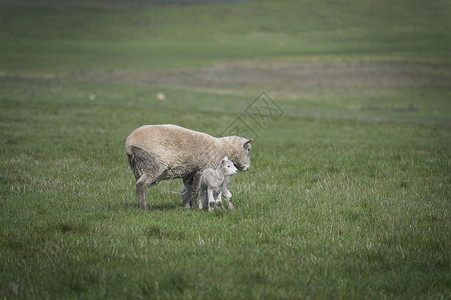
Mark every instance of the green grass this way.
pixel 349 191
pixel 53 37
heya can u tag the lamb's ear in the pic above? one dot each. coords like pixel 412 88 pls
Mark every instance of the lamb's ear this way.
pixel 247 143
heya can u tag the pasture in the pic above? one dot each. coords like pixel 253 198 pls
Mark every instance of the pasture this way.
pixel 349 191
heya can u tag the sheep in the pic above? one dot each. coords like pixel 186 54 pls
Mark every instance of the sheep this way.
pixel 163 152
pixel 211 184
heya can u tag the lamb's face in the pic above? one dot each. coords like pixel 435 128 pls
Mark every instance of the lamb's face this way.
pixel 228 168
pixel 243 160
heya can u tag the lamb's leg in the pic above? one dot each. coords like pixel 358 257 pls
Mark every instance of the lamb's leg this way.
pixel 226 193
pixel 211 200
pixel 219 201
pixel 228 198
pixel 195 190
pixel 202 199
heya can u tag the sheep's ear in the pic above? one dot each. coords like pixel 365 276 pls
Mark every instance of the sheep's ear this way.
pixel 247 143
pixel 225 158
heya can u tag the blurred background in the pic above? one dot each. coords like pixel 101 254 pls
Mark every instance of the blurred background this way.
pixel 384 60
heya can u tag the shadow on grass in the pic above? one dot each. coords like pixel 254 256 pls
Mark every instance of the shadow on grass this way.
pixel 163 206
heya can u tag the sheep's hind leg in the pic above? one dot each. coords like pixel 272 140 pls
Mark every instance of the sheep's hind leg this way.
pixel 146 170
pixel 141 185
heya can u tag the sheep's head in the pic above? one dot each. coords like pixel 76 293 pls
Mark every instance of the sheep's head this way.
pixel 241 154
pixel 227 166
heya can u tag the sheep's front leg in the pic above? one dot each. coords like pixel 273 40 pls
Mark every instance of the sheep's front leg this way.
pixel 211 200
pixel 186 197
pixel 187 192
pixel 195 190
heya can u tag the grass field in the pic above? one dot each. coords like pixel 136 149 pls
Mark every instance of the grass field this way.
pixel 349 192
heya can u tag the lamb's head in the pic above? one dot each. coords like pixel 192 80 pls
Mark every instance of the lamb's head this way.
pixel 227 167
pixel 238 149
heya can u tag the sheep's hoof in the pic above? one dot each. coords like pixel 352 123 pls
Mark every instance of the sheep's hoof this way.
pixel 219 205
pixel 211 206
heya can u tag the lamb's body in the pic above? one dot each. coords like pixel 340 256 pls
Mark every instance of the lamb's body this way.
pixel 211 184
pixel 162 152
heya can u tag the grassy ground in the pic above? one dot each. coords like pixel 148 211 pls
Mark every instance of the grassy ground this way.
pixel 349 191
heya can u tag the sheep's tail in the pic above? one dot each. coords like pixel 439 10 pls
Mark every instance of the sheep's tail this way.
pixel 133 165
pixel 142 161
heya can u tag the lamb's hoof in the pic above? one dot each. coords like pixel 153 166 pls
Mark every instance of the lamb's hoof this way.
pixel 231 207
pixel 211 206
pixel 142 206
pixel 186 204
pixel 219 205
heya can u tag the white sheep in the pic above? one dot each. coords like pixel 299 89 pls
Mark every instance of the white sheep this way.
pixel 211 184
pixel 162 152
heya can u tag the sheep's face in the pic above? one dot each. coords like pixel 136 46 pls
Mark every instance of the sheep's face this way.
pixel 227 166
pixel 243 160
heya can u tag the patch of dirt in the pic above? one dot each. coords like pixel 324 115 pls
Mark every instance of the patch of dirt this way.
pixel 292 80
pixel 410 108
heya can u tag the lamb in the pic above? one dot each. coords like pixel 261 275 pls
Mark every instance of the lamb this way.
pixel 163 152
pixel 211 184
pixel 226 194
